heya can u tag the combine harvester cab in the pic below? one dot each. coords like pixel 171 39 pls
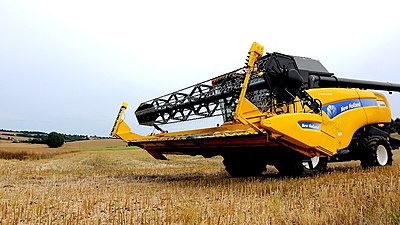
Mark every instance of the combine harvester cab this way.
pixel 280 110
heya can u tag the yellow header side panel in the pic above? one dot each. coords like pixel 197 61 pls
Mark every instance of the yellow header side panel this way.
pixel 303 130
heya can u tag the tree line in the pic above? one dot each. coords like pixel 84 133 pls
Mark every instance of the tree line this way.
pixel 395 126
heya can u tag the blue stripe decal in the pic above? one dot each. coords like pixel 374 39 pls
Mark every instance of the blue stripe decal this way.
pixel 337 108
pixel 368 102
pixel 310 125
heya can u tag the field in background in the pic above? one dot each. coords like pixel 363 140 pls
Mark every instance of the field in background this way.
pixel 25 151
pixel 114 185
pixel 103 143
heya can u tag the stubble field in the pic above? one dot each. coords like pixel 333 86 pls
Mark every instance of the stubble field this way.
pixel 95 184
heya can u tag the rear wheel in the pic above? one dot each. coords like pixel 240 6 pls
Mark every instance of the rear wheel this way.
pixel 244 166
pixel 376 151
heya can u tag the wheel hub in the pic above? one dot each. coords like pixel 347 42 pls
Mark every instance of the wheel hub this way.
pixel 382 155
pixel 314 162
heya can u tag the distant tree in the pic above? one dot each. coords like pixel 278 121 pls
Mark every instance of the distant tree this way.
pixel 38 141
pixel 55 140
pixel 395 126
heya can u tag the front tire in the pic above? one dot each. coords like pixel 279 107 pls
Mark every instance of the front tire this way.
pixel 316 164
pixel 244 166
pixel 376 152
pixel 297 167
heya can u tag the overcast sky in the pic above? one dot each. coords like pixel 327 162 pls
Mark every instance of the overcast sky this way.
pixel 67 66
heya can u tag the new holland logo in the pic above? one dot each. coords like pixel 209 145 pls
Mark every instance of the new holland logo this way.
pixel 337 108
pixel 331 111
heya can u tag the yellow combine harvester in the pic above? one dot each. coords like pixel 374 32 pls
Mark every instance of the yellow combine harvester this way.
pixel 280 110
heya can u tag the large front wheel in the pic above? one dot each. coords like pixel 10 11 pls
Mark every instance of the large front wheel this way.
pixel 316 164
pixel 244 166
pixel 294 166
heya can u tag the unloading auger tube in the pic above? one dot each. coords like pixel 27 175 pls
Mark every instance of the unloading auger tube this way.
pixel 278 109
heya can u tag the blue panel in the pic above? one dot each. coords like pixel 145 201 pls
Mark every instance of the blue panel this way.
pixel 336 108
pixel 368 102
pixel 310 125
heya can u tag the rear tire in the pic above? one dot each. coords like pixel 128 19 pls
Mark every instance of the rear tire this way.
pixel 376 152
pixel 244 166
